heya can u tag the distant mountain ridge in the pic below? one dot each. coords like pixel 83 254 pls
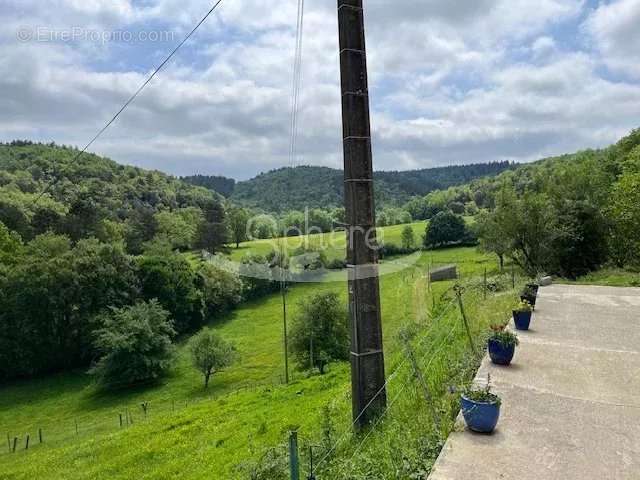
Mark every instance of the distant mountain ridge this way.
pixel 322 187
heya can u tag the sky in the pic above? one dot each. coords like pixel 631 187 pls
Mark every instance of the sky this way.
pixel 451 81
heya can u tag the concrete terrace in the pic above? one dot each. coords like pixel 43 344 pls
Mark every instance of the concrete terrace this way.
pixel 571 399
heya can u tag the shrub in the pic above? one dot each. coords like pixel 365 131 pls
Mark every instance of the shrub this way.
pixel 135 345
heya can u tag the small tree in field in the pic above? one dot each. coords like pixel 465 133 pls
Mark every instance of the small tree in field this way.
pixel 319 334
pixel 408 238
pixel 210 354
pixel 135 343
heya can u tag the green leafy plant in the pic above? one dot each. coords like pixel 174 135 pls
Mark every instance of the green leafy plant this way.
pixel 505 338
pixel 523 306
pixel 482 395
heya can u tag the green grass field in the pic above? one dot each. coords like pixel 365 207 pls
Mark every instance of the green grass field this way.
pixel 191 433
pixel 612 277
pixel 333 243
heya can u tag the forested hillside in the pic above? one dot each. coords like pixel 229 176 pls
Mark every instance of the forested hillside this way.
pixel 320 187
pixel 45 188
pixel 86 242
pixel 222 185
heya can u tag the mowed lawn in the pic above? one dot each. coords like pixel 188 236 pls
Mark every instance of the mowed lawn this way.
pixel 190 433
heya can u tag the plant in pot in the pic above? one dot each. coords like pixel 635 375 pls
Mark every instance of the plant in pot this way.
pixel 502 346
pixel 480 409
pixel 530 294
pixel 522 315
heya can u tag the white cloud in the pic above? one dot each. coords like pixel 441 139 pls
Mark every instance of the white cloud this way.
pixel 446 87
pixel 616 32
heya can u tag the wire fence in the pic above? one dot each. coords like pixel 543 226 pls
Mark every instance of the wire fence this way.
pixel 67 429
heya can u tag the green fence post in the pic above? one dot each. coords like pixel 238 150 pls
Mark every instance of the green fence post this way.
pixel 293 456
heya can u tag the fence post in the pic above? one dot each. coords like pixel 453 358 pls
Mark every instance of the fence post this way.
pixel 311 475
pixel 9 442
pixel 485 283
pixel 293 456
pixel 458 289
pixel 26 445
pixel 77 427
pixel 15 444
pixel 40 434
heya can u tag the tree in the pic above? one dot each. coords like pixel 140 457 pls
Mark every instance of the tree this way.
pixel 210 354
pixel 624 213
pixel 408 237
pixel 319 334
pixel 492 227
pixel 170 278
pixel 212 233
pixel 178 228
pixel 444 229
pixel 134 344
pixel 221 289
pixel 10 246
pixel 238 221
pixel 581 243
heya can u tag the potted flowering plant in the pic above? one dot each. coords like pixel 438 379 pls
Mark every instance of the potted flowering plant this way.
pixel 530 294
pixel 502 346
pixel 480 409
pixel 522 315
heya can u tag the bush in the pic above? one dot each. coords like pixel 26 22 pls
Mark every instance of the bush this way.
pixel 319 334
pixel 135 345
pixel 391 250
pixel 210 354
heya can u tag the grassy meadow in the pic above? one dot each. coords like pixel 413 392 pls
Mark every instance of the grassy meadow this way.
pixel 222 433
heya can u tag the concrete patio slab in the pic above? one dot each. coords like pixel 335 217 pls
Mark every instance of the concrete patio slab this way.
pixel 571 400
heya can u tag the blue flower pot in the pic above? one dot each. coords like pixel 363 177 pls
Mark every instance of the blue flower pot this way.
pixel 501 354
pixel 480 417
pixel 522 320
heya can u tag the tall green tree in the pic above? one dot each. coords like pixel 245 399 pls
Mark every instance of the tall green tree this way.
pixel 319 334
pixel 171 279
pixel 238 222
pixel 408 237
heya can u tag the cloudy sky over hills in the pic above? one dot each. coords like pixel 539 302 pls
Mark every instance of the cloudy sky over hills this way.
pixel 451 81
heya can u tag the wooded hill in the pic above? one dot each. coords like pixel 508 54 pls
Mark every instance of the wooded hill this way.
pixel 47 188
pixel 311 187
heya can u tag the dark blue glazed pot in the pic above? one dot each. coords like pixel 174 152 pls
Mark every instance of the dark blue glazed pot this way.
pixel 501 354
pixel 522 320
pixel 480 417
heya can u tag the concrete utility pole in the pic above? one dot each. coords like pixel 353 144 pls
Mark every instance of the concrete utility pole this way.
pixel 367 358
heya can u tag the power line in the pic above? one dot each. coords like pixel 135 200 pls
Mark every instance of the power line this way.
pixel 297 83
pixel 56 179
